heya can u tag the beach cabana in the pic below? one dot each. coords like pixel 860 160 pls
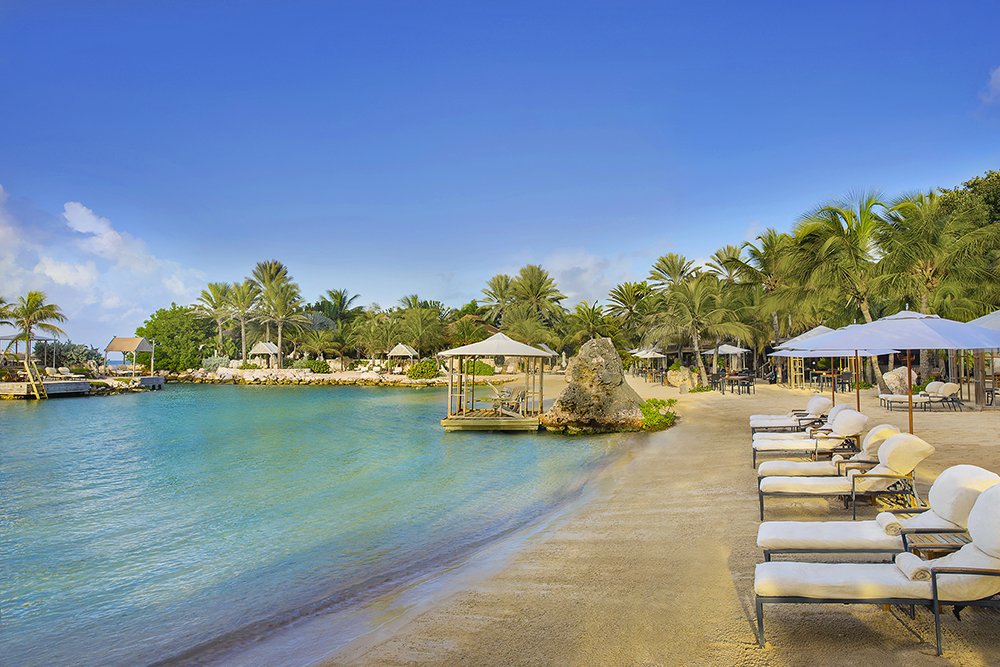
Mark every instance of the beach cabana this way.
pixel 495 409
pixel 403 351
pixel 127 346
pixel 267 350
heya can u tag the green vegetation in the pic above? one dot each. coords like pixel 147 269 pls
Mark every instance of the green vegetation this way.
pixel 423 370
pixel 181 336
pixel 68 353
pixel 657 414
pixel 315 365
pixel 249 367
pixel 212 364
pixel 31 313
pixel 841 262
pixel 698 389
pixel 479 368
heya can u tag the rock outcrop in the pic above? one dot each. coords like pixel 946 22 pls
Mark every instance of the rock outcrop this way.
pixel 596 399
pixel 682 378
pixel 895 380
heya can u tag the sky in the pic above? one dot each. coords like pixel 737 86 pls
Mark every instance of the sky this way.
pixel 408 147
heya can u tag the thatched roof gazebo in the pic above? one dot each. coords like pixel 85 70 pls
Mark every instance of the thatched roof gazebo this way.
pixel 504 409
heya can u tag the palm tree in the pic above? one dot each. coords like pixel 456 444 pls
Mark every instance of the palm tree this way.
pixel 213 304
pixel 339 306
pixel 319 342
pixel 32 312
pixel 695 308
pixel 522 323
pixel 535 289
pixel 769 263
pixel 283 308
pixel 933 257
pixel 587 321
pixel 726 263
pixel 423 328
pixel 242 301
pixel 499 293
pixel 627 303
pixel 4 312
pixel 671 269
pixel 466 330
pixel 837 246
pixel 268 274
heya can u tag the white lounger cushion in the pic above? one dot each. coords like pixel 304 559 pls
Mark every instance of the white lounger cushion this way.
pixel 805 433
pixel 873 441
pixel 917 398
pixel 796 468
pixel 820 486
pixel 805 445
pixel 816 406
pixel 984 521
pixel 903 452
pixel 858 535
pixel 841 581
pixel 933 388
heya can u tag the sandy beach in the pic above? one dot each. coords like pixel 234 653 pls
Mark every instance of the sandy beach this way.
pixel 657 567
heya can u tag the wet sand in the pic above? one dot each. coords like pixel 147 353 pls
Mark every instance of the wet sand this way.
pixel 657 567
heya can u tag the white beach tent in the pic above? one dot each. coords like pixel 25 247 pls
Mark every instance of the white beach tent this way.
pixel 812 333
pixel 497 345
pixel 991 321
pixel 907 330
pixel 725 348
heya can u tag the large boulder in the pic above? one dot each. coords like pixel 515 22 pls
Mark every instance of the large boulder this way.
pixel 895 380
pixel 596 399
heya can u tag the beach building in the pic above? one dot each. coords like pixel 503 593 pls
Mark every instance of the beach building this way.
pixel 264 354
pixel 403 352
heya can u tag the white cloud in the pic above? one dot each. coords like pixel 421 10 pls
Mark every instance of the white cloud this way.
pixel 992 93
pixel 582 276
pixel 80 276
pixel 104 278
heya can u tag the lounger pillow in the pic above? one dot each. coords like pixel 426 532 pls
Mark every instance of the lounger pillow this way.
pixel 956 491
pixel 933 388
pixel 948 389
pixel 849 422
pixel 817 405
pixel 873 441
pixel 903 452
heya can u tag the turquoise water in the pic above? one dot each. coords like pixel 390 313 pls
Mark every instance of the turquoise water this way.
pixel 146 527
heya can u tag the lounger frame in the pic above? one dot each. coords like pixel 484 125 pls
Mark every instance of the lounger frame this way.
pixel 848 446
pixel 903 486
pixel 805 420
pixel 934 604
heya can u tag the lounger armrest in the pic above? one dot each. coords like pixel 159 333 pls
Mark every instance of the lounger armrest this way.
pixel 907 510
pixel 854 462
pixel 932 531
pixel 965 570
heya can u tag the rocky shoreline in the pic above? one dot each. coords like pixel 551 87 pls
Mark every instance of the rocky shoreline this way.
pixel 290 376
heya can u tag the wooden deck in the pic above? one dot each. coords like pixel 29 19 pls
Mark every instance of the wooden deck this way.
pixel 488 420
pixel 52 387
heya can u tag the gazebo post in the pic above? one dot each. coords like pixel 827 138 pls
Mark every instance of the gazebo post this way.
pixel 451 376
pixel 541 390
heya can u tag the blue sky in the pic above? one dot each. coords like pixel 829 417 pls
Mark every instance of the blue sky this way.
pixel 400 147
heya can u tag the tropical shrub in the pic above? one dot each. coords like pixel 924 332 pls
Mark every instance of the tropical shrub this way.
pixel 248 367
pixel 423 370
pixel 315 365
pixel 676 366
pixel 479 367
pixel 657 415
pixel 699 389
pixel 212 364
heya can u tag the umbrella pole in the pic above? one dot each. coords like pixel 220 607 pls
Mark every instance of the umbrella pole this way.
pixel 909 389
pixel 833 381
pixel 857 384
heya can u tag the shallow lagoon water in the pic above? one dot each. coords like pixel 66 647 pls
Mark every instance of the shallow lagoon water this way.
pixel 146 527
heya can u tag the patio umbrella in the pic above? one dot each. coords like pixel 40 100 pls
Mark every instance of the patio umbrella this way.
pixel 857 354
pixel 908 330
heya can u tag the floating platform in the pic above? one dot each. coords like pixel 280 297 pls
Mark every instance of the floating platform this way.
pixel 488 420
pixel 52 388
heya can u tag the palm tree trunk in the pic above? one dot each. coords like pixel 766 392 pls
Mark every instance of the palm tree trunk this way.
pixel 701 362
pixel 925 355
pixel 777 333
pixel 218 325
pixel 280 360
pixel 866 311
pixel 243 339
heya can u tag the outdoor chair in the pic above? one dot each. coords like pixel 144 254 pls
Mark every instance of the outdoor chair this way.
pixel 67 373
pixel 51 372
pixel 950 500
pixel 947 395
pixel 843 436
pixel 805 432
pixel 891 478
pixel 920 399
pixel 868 454
pixel 968 577
pixel 794 420
pixel 845 381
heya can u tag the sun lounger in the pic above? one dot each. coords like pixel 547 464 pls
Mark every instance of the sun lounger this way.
pixel 795 420
pixel 868 454
pixel 892 477
pixel 967 577
pixel 947 396
pixel 950 499
pixel 843 436
pixel 70 375
pixel 51 372
pixel 804 432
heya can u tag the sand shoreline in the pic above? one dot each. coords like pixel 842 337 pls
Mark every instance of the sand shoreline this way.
pixel 657 566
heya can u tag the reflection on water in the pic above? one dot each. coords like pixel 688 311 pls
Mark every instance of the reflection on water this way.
pixel 134 528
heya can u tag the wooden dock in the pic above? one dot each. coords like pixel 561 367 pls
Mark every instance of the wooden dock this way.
pixel 488 420
pixel 52 387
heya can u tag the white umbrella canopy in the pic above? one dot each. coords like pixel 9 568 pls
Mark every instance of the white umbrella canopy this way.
pixel 497 345
pixel 725 348
pixel 812 333
pixel 907 330
pixel 991 321
pixel 863 352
